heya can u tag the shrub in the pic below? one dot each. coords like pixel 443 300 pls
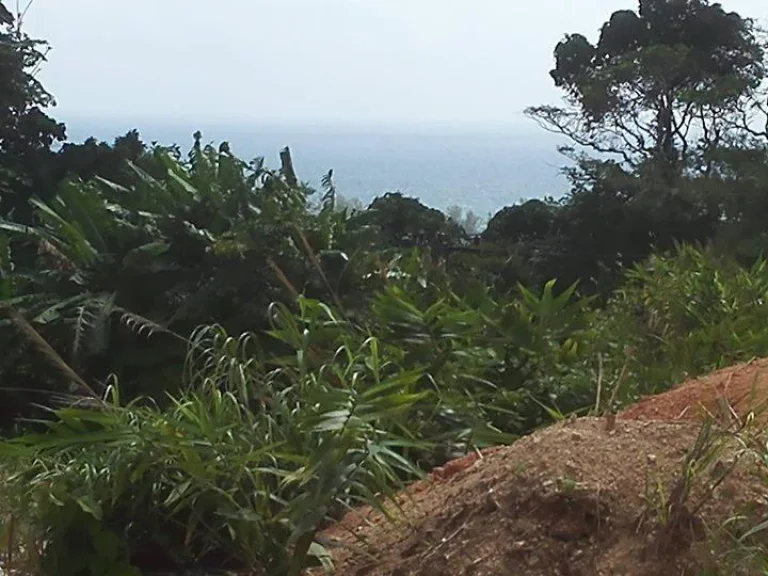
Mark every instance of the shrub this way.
pixel 681 315
pixel 239 470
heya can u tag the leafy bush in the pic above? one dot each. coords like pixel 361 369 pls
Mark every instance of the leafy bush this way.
pixel 240 470
pixel 189 242
pixel 682 315
pixel 258 451
pixel 500 357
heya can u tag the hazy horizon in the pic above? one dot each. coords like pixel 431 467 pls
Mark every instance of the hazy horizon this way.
pixel 527 128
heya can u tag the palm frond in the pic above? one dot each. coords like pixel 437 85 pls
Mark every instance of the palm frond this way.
pixel 144 326
pixel 54 359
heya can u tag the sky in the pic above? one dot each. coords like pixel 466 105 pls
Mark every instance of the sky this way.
pixel 369 62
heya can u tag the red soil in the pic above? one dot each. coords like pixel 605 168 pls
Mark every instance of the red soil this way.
pixel 725 394
pixel 569 499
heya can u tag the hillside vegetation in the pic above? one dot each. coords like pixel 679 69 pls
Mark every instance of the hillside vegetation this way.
pixel 206 363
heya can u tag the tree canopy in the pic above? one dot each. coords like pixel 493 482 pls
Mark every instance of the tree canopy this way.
pixel 665 83
pixel 26 130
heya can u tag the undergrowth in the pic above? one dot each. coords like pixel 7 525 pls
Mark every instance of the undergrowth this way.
pixel 239 471
pixel 380 364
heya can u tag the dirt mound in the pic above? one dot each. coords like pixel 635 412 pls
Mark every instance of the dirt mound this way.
pixel 734 391
pixel 577 498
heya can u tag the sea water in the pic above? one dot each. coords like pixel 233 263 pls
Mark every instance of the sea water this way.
pixel 479 169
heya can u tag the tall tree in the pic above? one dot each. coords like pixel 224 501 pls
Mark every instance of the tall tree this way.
pixel 664 84
pixel 26 131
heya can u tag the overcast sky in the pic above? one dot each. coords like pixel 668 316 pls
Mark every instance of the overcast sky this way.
pixel 352 61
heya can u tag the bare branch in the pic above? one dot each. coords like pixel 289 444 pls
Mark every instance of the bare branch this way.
pixel 575 127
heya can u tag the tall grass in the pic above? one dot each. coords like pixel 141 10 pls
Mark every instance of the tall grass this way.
pixel 239 471
pixel 680 315
pixel 257 452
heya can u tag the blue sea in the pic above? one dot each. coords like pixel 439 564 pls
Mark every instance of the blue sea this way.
pixel 478 169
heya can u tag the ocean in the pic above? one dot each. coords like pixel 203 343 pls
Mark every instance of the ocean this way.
pixel 478 169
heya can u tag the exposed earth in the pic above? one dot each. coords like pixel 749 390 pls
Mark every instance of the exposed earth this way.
pixel 586 497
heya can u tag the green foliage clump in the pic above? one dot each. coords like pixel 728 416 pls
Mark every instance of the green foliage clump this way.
pixel 682 315
pixel 239 470
pixel 257 451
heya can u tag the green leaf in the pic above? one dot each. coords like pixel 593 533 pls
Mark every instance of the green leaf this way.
pixel 178 492
pixel 89 505
pixel 333 421
pixel 322 555
pixel 185 186
pixel 6 18
pixel 7 284
pixel 55 312
pixel 401 381
pixel 17 228
pixel 122 190
pixel 66 234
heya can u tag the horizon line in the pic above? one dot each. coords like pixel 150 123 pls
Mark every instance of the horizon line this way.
pixel 305 124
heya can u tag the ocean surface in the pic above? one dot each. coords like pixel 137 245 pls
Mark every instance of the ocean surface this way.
pixel 478 169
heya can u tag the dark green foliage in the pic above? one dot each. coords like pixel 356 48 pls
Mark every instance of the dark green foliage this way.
pixel 666 91
pixel 257 450
pixel 176 251
pixel 238 471
pixel 210 239
pixel 739 184
pixel 683 315
pixel 91 158
pixel 611 219
pixel 531 220
pixel 404 222
pixel 26 131
pixel 661 84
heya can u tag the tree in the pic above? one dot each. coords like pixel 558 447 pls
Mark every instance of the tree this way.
pixel 404 222
pixel 26 131
pixel 532 219
pixel 664 84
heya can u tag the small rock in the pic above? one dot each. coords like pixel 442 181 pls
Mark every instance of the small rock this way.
pixel 576 437
pixel 651 458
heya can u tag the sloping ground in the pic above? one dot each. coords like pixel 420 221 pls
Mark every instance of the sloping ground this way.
pixel 571 500
pixel 742 389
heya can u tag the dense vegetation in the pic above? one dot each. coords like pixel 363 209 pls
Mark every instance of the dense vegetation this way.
pixel 204 360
